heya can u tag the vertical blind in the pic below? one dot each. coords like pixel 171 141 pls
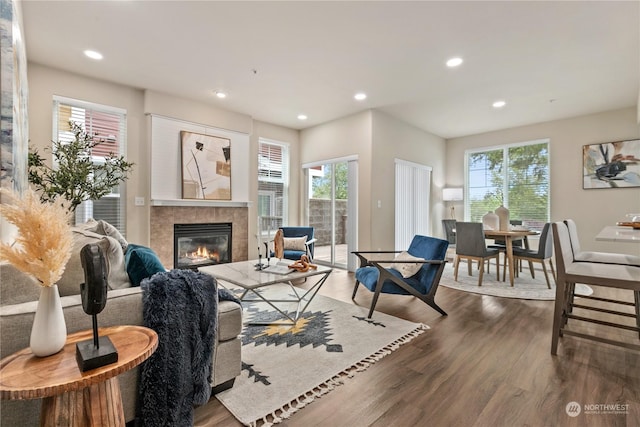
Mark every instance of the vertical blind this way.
pixel 107 125
pixel 273 186
pixel 515 175
pixel 413 183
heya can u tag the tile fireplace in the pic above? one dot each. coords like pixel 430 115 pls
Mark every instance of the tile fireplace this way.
pixel 197 245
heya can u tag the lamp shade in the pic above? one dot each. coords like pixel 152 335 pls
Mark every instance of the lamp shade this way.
pixel 451 194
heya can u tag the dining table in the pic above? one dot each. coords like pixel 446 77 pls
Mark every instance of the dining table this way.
pixel 618 233
pixel 509 236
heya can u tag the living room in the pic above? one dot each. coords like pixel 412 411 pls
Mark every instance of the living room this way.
pixel 372 134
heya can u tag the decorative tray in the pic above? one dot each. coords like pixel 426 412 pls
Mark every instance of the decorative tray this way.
pixel 634 224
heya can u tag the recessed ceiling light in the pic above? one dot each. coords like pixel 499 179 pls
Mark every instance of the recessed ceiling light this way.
pixel 499 104
pixel 454 62
pixel 93 54
pixel 302 117
pixel 220 94
pixel 361 96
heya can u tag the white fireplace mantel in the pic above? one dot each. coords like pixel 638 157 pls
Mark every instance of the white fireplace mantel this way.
pixel 200 203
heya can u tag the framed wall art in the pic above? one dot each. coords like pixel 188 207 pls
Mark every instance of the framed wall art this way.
pixel 611 164
pixel 206 166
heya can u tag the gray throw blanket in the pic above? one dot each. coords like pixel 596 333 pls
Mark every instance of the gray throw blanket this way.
pixel 182 307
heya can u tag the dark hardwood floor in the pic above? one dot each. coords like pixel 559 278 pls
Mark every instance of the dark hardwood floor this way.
pixel 486 364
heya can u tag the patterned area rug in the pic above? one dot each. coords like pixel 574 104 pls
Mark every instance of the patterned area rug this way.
pixel 524 286
pixel 284 368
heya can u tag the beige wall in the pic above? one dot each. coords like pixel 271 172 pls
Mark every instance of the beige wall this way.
pixel 377 139
pixel 591 209
pixel 44 82
pixel 348 136
pixel 393 139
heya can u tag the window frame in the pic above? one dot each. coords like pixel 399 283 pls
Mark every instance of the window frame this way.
pixel 267 223
pixel 86 209
pixel 505 188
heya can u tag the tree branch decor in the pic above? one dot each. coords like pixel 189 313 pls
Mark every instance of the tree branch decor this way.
pixel 75 176
pixel 44 241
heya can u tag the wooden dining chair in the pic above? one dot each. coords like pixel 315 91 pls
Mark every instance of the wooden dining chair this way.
pixel 570 271
pixel 471 245
pixel 541 255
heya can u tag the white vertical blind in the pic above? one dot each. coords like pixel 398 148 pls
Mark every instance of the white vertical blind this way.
pixel 413 184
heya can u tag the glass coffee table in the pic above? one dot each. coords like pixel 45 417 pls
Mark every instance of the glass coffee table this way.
pixel 254 281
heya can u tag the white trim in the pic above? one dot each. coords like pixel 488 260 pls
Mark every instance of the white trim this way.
pixel 353 158
pixel 89 105
pixel 199 203
pixel 412 164
pixel 187 122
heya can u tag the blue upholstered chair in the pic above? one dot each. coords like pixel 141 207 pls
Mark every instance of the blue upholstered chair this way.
pixel 388 279
pixel 295 254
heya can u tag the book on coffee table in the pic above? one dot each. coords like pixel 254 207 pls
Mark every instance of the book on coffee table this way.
pixel 279 268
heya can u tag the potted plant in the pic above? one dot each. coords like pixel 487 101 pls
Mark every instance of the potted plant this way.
pixel 75 176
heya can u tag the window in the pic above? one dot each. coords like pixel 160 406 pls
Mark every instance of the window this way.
pixel 516 175
pixel 273 186
pixel 108 125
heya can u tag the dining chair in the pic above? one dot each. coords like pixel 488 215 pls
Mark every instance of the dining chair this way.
pixel 449 226
pixel 542 254
pixel 471 245
pixel 569 272
pixel 590 256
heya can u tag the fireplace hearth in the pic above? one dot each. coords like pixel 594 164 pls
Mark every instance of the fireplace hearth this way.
pixel 197 245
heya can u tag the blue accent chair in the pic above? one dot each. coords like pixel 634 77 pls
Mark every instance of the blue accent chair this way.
pixel 299 232
pixel 423 284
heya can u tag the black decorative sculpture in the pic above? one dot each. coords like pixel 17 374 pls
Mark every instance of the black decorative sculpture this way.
pixel 99 351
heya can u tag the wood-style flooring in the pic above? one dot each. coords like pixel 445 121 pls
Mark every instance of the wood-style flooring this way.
pixel 487 363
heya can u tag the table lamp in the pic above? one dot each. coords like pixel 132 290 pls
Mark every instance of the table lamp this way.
pixel 452 195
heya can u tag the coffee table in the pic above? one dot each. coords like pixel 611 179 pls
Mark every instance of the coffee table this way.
pixel 245 275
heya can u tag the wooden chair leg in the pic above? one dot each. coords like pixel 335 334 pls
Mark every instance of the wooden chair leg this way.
pixel 546 275
pixel 456 262
pixel 355 289
pixel 480 273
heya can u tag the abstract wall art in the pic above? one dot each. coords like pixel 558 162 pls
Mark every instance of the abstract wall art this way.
pixel 206 166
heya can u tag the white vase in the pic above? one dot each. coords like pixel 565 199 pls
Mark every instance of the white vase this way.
pixel 503 218
pixel 490 221
pixel 49 330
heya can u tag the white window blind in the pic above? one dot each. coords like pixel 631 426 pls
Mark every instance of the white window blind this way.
pixel 516 175
pixel 412 199
pixel 108 125
pixel 273 186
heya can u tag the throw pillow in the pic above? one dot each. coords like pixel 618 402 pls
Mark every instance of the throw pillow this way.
pixel 141 262
pixel 295 243
pixel 107 229
pixel 407 269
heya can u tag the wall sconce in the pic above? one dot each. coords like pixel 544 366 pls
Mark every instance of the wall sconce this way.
pixel 452 195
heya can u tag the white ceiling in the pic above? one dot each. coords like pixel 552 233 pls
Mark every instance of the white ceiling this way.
pixel 312 57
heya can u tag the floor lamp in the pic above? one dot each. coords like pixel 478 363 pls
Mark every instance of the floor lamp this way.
pixel 452 195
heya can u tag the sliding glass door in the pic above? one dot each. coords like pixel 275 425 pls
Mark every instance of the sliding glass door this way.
pixel 330 210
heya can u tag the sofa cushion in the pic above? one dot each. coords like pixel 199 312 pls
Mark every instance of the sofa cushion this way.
pixel 141 262
pixel 107 229
pixel 229 320
pixel 69 283
pixel 17 287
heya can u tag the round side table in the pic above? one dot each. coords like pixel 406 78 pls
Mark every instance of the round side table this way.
pixel 71 397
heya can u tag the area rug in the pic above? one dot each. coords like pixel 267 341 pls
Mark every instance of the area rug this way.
pixel 284 368
pixel 524 286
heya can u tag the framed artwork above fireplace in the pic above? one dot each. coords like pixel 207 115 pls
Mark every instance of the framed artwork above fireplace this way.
pixel 206 166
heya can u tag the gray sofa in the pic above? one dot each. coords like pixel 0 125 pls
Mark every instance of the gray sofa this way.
pixel 18 301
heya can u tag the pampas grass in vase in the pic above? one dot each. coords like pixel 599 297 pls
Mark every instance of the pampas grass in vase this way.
pixel 41 250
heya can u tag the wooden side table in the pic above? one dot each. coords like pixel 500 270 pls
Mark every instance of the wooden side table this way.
pixel 71 397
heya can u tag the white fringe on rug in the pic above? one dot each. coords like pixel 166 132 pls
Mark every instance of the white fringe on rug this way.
pixel 301 401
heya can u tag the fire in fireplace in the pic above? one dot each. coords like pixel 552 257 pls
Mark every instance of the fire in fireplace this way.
pixel 197 245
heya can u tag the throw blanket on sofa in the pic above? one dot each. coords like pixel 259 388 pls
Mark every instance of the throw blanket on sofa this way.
pixel 182 307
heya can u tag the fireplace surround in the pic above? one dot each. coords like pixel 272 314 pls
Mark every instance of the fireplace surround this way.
pixel 163 218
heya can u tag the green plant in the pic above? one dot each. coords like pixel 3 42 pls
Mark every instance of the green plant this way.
pixel 75 176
